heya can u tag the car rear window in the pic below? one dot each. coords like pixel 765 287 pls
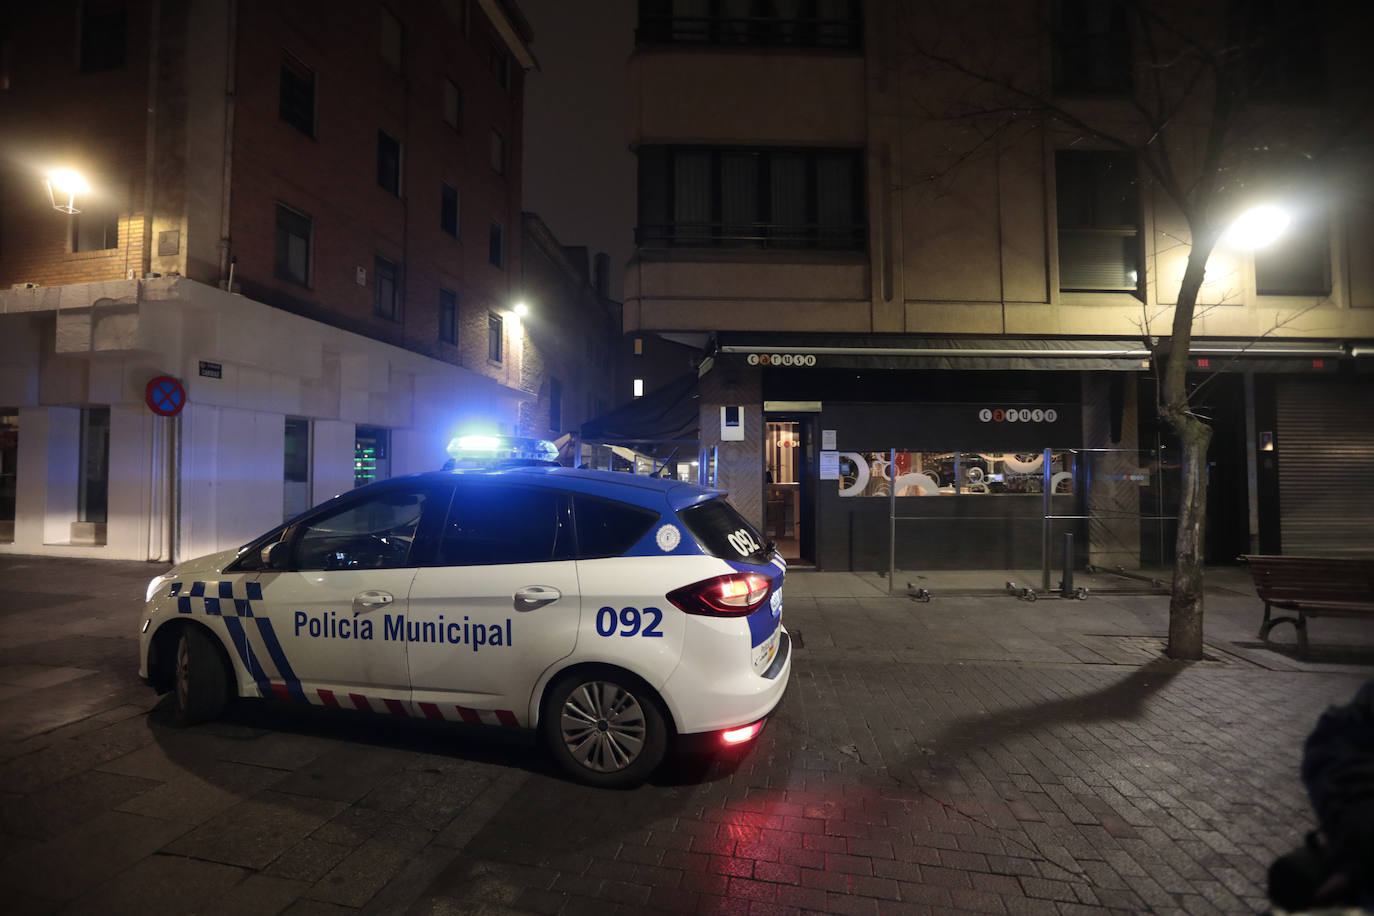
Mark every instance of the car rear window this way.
pixel 608 529
pixel 723 532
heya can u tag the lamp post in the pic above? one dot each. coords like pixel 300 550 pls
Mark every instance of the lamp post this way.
pixel 64 186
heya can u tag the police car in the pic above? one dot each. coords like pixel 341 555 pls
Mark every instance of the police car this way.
pixel 613 613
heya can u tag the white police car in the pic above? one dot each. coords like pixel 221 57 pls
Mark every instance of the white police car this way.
pixel 612 612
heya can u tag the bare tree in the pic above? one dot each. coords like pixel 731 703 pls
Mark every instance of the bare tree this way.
pixel 1219 103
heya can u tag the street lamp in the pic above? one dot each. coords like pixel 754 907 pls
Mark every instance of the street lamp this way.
pixel 63 187
pixel 1257 227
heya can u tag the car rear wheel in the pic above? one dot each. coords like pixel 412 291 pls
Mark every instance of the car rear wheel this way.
pixel 200 679
pixel 605 728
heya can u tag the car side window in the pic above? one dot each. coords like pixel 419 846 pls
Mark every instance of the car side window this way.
pixel 608 529
pixel 491 524
pixel 377 531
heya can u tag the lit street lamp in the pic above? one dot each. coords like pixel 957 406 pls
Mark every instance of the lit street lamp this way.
pixel 63 187
pixel 1257 227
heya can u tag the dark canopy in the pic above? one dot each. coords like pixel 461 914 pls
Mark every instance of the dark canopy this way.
pixel 667 414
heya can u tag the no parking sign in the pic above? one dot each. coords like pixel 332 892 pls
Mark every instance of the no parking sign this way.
pixel 165 396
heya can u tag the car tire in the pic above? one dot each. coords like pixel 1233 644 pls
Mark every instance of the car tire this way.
pixel 200 678
pixel 604 727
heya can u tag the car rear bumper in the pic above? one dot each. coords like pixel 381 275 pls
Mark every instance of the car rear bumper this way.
pixel 711 701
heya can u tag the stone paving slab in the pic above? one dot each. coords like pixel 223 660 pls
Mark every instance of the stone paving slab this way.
pixel 970 754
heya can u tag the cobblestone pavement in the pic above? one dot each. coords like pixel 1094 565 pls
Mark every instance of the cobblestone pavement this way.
pixel 971 754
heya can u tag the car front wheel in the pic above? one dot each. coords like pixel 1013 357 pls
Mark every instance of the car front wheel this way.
pixel 200 682
pixel 604 728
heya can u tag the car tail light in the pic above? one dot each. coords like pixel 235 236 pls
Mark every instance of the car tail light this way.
pixel 724 596
pixel 741 734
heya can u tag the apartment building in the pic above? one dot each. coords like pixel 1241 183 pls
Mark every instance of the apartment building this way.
pixel 287 264
pixel 924 281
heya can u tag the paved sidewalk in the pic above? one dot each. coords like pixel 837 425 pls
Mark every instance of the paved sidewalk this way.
pixel 967 754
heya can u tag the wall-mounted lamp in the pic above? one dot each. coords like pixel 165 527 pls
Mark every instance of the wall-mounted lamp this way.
pixel 1257 227
pixel 520 309
pixel 63 187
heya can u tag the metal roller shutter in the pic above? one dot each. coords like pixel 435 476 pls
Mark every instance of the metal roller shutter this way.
pixel 1325 435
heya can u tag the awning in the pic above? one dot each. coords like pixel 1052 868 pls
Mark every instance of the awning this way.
pixel 666 415
pixel 899 351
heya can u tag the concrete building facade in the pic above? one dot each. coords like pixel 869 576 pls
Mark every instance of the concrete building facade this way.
pixel 913 258
pixel 307 215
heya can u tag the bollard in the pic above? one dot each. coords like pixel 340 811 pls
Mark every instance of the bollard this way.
pixel 1066 585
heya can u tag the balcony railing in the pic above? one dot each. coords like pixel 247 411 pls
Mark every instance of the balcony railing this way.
pixel 851 237
pixel 758 31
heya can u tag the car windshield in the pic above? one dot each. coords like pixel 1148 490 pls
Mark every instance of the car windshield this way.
pixel 723 532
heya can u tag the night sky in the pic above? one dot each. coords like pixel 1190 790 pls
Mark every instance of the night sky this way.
pixel 579 174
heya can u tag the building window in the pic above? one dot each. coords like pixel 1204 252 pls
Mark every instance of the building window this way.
pixel 95 228
pixel 496 333
pixel 9 471
pixel 1092 46
pixel 1099 221
pixel 292 259
pixel 638 389
pixel 751 198
pixel 297 95
pixel 385 295
pixel 371 455
pixel 555 404
pixel 392 38
pixel 101 39
pixel 498 62
pixel 800 23
pixel 94 486
pixel 1299 263
pixel 498 153
pixel 495 254
pixel 388 163
pixel 639 346
pixel 296 468
pixel 453 105
pixel 448 209
pixel 448 316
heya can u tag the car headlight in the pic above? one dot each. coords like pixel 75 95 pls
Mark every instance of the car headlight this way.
pixel 155 584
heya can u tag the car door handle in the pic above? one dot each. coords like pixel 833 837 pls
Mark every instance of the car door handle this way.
pixel 370 601
pixel 536 596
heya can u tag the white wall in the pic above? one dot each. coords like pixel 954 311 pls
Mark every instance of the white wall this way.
pixel 331 459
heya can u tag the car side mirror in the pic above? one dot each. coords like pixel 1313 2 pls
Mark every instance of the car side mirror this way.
pixel 277 555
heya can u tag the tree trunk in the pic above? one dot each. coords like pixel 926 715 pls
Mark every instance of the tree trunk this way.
pixel 1186 604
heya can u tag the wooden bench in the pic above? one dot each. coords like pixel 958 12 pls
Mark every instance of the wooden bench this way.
pixel 1313 587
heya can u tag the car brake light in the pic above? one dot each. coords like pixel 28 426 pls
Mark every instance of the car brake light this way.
pixel 724 596
pixel 740 735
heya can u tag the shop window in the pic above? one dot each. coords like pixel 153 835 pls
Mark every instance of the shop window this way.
pixel 799 23
pixel 296 104
pixel 953 473
pixel 93 492
pixel 1299 263
pixel 292 258
pixel 371 455
pixel 9 466
pixel 102 28
pixel 751 198
pixel 388 163
pixel 95 228
pixel 496 334
pixel 448 316
pixel 296 468
pixel 385 294
pixel 1092 46
pixel 448 209
pixel 1099 221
